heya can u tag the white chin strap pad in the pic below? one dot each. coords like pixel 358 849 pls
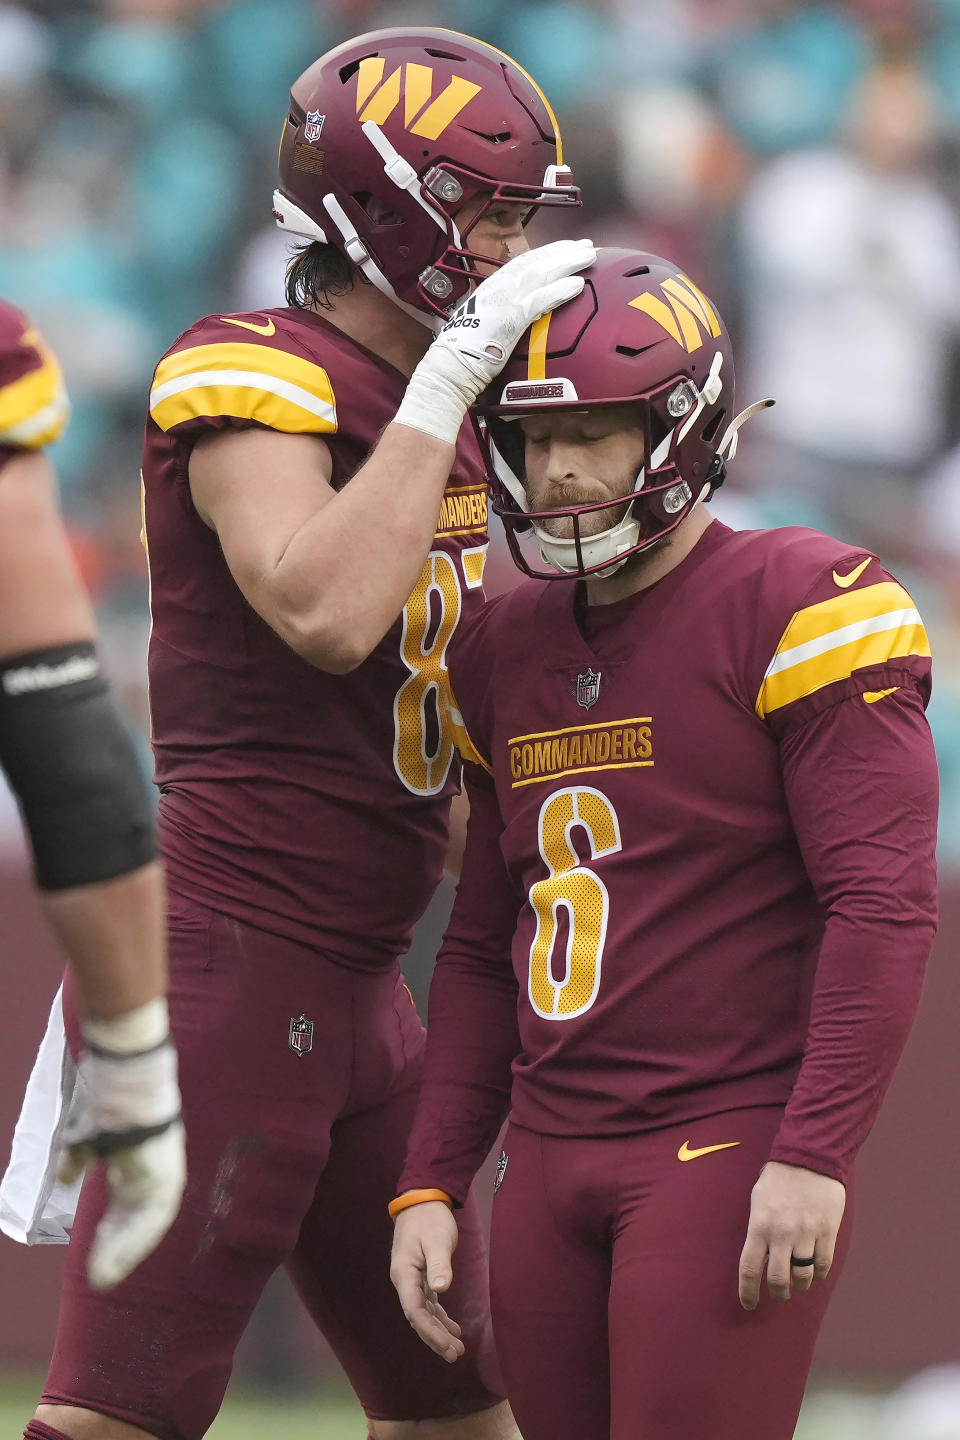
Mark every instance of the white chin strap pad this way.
pixel 607 547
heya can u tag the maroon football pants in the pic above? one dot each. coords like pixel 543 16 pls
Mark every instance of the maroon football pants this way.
pixel 614 1270
pixel 293 1154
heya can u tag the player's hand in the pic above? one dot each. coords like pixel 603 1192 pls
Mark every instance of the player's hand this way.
pixel 475 343
pixel 127 1117
pixel 424 1239
pixel 794 1213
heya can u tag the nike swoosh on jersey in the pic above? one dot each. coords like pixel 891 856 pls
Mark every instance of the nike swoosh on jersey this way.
pixel 268 329
pixel 844 580
pixel 872 696
pixel 685 1153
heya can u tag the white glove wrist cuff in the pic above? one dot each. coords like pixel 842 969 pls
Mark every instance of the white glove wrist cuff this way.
pixel 125 1090
pixel 434 406
pixel 140 1029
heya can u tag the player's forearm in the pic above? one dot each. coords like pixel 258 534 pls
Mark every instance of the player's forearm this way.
pixel 861 780
pixel 472 1041
pixel 472 1030
pixel 347 573
pixel 869 981
pixel 113 934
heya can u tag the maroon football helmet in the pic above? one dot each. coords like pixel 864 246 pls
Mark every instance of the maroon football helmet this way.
pixel 640 333
pixel 391 134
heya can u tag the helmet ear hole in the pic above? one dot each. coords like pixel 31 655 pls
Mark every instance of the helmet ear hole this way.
pixel 378 210
pixel 659 430
pixel 714 426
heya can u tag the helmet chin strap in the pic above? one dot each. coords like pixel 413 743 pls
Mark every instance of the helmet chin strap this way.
pixel 290 217
pixel 730 434
pixel 365 263
pixel 402 174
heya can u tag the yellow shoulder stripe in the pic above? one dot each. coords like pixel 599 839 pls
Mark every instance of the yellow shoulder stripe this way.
pixel 827 642
pixel 252 382
pixel 35 408
pixel 459 736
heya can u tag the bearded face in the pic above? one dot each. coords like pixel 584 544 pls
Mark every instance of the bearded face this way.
pixel 581 457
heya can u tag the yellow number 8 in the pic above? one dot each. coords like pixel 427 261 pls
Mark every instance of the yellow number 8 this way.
pixel 572 887
pixel 423 647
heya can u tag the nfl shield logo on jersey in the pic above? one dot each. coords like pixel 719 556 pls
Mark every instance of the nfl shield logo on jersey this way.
pixel 588 689
pixel 301 1036
pixel 314 125
pixel 501 1170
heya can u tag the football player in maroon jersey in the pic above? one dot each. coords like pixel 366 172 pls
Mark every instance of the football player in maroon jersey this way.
pixel 72 765
pixel 316 526
pixel 697 899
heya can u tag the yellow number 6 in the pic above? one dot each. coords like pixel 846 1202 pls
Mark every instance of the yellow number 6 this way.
pixel 574 888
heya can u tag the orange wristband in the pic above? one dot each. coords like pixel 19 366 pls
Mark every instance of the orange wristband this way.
pixel 417 1197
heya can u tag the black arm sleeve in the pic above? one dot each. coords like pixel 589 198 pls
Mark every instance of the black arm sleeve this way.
pixel 71 762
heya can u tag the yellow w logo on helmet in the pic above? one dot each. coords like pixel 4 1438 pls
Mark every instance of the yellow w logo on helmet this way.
pixel 378 98
pixel 682 313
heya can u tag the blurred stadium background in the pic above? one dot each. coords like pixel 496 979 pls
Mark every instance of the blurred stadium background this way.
pixel 800 160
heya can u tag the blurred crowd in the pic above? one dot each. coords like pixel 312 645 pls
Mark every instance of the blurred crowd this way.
pixel 798 159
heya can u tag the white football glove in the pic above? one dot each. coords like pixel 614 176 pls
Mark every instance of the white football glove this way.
pixel 127 1116
pixel 475 343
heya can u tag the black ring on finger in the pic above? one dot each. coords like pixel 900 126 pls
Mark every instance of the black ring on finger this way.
pixel 802 1264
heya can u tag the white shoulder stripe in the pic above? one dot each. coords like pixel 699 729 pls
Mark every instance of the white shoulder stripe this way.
pixel 834 639
pixel 250 380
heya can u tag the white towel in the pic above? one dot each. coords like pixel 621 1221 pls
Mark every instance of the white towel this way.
pixel 35 1209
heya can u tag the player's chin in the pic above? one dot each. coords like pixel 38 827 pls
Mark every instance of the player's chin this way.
pixel 561 528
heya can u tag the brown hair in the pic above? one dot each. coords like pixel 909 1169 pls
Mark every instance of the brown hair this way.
pixel 317 275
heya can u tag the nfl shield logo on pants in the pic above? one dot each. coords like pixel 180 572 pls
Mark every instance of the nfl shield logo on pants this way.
pixel 301 1036
pixel 588 688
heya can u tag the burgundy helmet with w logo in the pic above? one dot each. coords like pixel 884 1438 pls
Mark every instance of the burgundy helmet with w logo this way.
pixel 641 333
pixel 391 134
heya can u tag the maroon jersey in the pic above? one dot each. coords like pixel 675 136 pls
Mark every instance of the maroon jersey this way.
pixel 33 402
pixel 703 827
pixel 312 805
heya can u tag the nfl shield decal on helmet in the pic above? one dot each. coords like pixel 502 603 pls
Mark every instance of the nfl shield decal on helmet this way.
pixel 301 1036
pixel 501 1170
pixel 313 125
pixel 588 688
